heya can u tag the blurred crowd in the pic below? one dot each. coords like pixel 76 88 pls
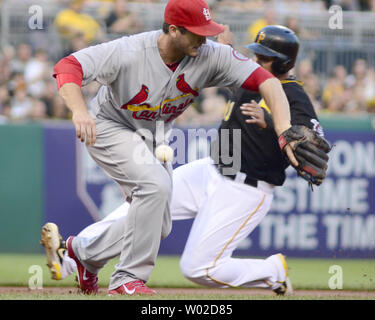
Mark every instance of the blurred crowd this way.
pixel 300 5
pixel 28 91
pixel 345 91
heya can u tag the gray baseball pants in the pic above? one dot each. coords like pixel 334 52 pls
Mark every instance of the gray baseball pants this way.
pixel 129 160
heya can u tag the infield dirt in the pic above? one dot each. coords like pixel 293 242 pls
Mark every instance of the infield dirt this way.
pixel 205 293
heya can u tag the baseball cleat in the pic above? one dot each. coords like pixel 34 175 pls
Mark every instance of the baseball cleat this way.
pixel 87 281
pixel 132 288
pixel 55 249
pixel 286 288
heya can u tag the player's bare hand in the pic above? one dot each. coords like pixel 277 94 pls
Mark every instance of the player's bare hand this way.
pixel 226 37
pixel 255 112
pixel 85 127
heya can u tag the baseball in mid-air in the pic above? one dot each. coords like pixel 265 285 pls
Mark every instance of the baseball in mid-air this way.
pixel 164 153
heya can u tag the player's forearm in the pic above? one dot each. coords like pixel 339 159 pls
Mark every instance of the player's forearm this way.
pixel 84 124
pixel 275 98
pixel 72 95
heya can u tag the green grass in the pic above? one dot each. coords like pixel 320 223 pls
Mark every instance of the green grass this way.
pixel 14 271
pixel 309 274
pixel 306 274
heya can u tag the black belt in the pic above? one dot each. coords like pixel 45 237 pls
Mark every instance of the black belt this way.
pixel 249 181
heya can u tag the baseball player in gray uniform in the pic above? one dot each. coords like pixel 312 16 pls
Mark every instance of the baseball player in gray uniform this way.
pixel 147 81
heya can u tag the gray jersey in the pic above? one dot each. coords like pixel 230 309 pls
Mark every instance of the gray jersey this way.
pixel 140 92
pixel 138 88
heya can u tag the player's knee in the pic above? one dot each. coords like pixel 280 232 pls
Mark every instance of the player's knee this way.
pixel 195 274
pixel 158 185
pixel 201 275
pixel 187 270
pixel 194 270
pixel 191 268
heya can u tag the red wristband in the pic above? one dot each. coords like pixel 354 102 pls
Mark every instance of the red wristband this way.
pixel 282 142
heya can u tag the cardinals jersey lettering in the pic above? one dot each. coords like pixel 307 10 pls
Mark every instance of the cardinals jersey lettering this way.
pixel 138 88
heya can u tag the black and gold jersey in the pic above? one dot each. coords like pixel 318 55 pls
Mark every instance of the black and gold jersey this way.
pixel 261 158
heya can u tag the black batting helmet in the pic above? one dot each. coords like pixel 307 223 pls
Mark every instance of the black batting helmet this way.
pixel 279 42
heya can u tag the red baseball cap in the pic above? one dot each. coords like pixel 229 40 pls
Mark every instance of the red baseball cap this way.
pixel 193 15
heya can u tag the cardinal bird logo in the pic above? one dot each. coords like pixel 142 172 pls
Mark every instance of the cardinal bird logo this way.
pixel 184 87
pixel 139 98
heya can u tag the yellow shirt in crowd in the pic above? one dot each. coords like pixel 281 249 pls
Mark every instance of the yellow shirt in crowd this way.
pixel 255 27
pixel 69 20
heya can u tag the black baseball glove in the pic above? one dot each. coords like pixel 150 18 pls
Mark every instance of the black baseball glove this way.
pixel 310 151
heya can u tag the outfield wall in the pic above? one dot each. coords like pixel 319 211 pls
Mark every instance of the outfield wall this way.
pixel 46 175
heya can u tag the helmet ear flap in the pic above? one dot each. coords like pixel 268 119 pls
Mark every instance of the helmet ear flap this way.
pixel 281 66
